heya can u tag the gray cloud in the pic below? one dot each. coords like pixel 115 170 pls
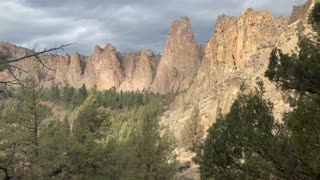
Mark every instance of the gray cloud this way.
pixel 129 25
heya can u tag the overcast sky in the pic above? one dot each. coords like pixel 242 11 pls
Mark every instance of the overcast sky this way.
pixel 130 25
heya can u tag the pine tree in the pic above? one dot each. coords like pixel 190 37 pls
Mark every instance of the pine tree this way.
pixel 32 116
pixel 54 151
pixel 9 138
pixel 89 119
pixel 193 130
pixel 299 74
pixel 153 154
pixel 54 93
pixel 236 144
pixel 23 127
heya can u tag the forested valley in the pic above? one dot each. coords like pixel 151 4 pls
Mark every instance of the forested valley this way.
pixel 103 134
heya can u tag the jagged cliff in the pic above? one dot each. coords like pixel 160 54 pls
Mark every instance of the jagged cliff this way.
pixel 180 60
pixel 105 68
pixel 238 53
pixel 209 76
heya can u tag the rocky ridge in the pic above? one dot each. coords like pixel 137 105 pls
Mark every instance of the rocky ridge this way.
pixel 237 54
pixel 180 60
pixel 209 76
pixel 106 68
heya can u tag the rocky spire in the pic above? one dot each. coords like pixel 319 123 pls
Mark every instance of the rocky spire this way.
pixel 103 68
pixel 180 60
pixel 300 12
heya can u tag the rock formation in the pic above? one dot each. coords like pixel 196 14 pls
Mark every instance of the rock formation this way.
pixel 69 70
pixel 180 60
pixel 300 12
pixel 108 68
pixel 238 53
pixel 103 68
pixel 137 70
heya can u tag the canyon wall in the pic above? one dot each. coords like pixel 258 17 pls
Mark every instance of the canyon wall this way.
pixel 208 76
pixel 180 60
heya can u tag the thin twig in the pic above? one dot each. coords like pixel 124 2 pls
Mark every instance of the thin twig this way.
pixel 35 54
pixel 15 77
pixel 39 59
pixel 20 69
pixel 8 82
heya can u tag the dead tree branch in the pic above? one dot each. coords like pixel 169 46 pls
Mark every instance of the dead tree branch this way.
pixel 8 64
pixel 35 54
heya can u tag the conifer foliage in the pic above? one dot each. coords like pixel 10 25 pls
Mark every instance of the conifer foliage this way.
pixel 247 143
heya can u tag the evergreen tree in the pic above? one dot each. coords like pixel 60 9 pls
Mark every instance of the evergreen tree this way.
pixel 299 74
pixel 54 151
pixel 54 93
pixel 153 154
pixel 193 131
pixel 9 137
pixel 22 134
pixel 236 144
pixel 32 116
pixel 67 94
pixel 247 143
pixel 89 118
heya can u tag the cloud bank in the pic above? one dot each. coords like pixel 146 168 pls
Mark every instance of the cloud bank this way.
pixel 127 24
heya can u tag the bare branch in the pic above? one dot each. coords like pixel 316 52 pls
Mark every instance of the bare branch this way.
pixel 24 164
pixel 20 69
pixel 6 173
pixel 35 54
pixel 39 59
pixel 9 82
pixel 15 77
pixel 12 155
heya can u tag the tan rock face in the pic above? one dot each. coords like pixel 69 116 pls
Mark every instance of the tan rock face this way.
pixel 180 60
pixel 238 53
pixel 69 70
pixel 300 12
pixel 138 71
pixel 129 72
pixel 103 69
pixel 133 71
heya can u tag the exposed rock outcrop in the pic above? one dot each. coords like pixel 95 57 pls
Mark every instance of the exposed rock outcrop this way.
pixel 180 60
pixel 138 71
pixel 238 53
pixel 70 70
pixel 300 12
pixel 103 68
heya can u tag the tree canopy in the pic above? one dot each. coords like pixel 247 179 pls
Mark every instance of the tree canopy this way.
pixel 247 143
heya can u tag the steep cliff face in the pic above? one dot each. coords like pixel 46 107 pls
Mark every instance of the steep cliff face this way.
pixel 180 60
pixel 138 70
pixel 70 70
pixel 300 12
pixel 143 70
pixel 107 68
pixel 238 53
pixel 103 68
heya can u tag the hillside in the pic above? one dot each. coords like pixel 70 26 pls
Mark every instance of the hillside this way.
pixel 209 76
